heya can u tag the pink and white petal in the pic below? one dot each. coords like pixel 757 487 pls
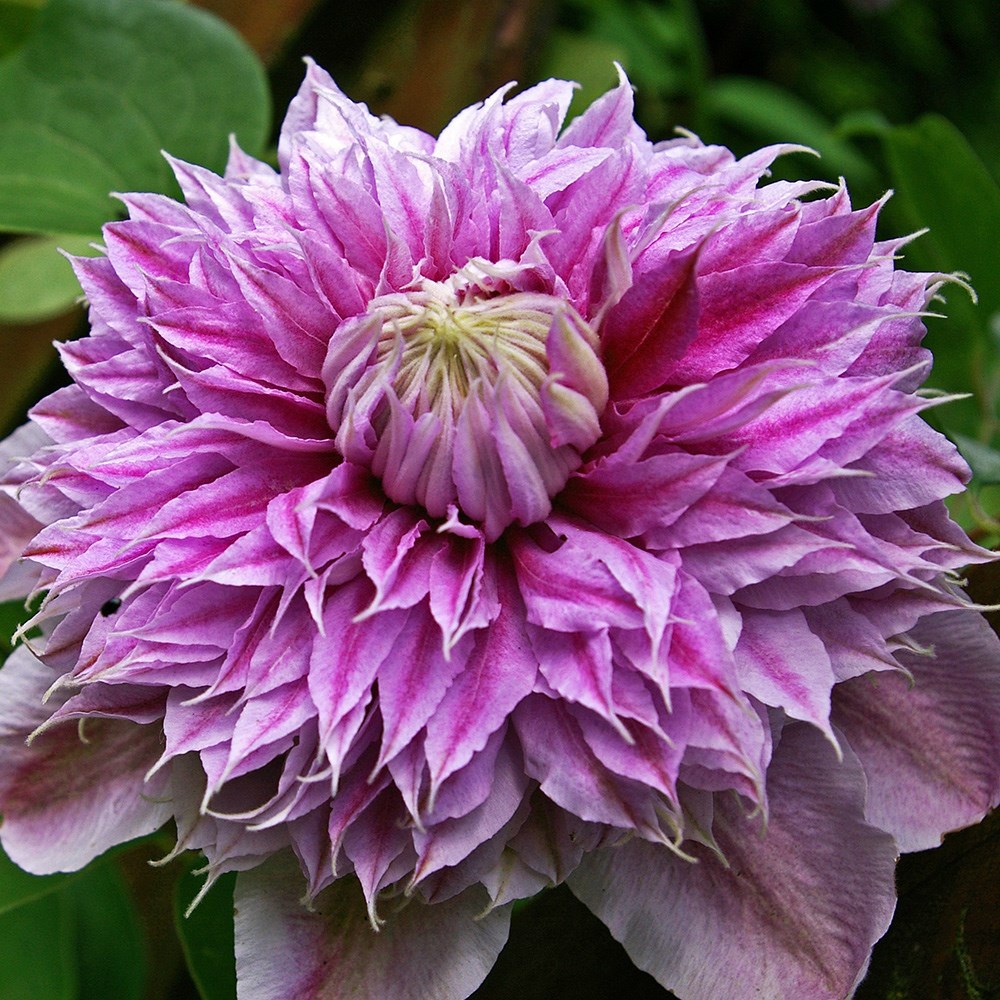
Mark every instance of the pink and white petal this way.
pixel 784 665
pixel 592 580
pixel 499 672
pixel 286 952
pixel 380 848
pixel 630 498
pixel 451 841
pixel 891 483
pixel 17 526
pixel 412 680
pixel 930 747
pixel 466 789
pixel 552 841
pixel 653 324
pixel 793 914
pixel 346 657
pixel 607 123
pixel 69 796
pixel 266 721
pixel 554 171
pixel 646 757
pixel 737 309
pixel 558 757
pixel 852 641
pixel 532 119
pixel 398 554
pixel 729 744
pixel 578 666
pixel 735 564
pixel 734 507
pixel 462 586
pixel 481 865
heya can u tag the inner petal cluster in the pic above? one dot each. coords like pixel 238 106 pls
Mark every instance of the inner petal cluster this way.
pixel 464 399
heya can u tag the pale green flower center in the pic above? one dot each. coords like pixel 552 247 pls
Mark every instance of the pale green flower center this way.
pixel 447 348
pixel 463 399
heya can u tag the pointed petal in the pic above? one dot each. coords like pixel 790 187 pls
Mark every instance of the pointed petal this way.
pixel 652 326
pixel 346 657
pixel 607 122
pixel 628 498
pixel 413 679
pixel 558 757
pixel 498 673
pixel 783 664
pixel 592 580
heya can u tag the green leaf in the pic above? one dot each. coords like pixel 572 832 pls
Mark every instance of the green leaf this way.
pixel 11 615
pixel 585 59
pixel 74 936
pixel 18 889
pixel 17 18
pixel 772 114
pixel 36 951
pixel 99 88
pixel 110 953
pixel 942 184
pixel 983 460
pixel 36 280
pixel 206 935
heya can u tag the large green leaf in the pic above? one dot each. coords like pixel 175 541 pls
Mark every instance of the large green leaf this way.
pixel 983 460
pixel 13 614
pixel 110 952
pixel 36 951
pixel 772 114
pixel 942 184
pixel 18 889
pixel 99 88
pixel 17 17
pixel 36 280
pixel 206 935
pixel 69 937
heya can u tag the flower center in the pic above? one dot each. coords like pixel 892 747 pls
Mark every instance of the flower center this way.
pixel 462 399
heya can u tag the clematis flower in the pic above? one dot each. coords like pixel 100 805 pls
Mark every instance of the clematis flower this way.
pixel 432 521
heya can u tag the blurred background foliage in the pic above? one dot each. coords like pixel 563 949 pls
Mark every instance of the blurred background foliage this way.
pixel 893 94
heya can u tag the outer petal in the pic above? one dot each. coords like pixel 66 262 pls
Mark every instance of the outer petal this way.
pixel 17 526
pixel 284 952
pixel 66 799
pixel 930 749
pixel 795 913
